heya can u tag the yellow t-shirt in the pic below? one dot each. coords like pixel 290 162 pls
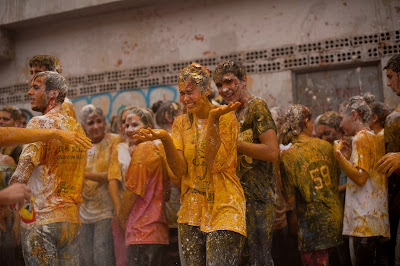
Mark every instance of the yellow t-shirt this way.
pixel 97 204
pixel 57 178
pixel 213 200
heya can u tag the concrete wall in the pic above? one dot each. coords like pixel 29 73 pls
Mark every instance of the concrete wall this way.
pixel 164 33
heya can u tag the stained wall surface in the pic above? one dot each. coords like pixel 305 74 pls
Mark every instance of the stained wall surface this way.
pixel 130 52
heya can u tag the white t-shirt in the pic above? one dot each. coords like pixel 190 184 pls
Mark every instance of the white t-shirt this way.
pixel 366 207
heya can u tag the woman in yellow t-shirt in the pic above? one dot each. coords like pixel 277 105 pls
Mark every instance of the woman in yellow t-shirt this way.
pixel 202 153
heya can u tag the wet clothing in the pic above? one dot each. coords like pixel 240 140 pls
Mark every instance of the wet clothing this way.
pixel 316 258
pixel 145 255
pixel 120 160
pixel 51 244
pixel 211 199
pixel 214 248
pixel 147 177
pixel 256 176
pixel 97 203
pixel 310 172
pixel 12 151
pixel 365 250
pixel 258 180
pixel 392 144
pixel 96 244
pixel 366 207
pixel 57 178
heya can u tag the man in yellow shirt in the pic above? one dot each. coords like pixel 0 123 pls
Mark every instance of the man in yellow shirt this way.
pixel 54 172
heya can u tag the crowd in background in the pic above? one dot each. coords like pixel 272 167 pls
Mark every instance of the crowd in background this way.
pixel 215 179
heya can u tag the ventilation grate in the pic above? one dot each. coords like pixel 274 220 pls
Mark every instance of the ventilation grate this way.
pixel 315 60
pixel 21 88
pixel 13 99
pixel 116 75
pixel 72 93
pixel 373 52
pixel 256 55
pixel 6 90
pixel 159 69
pixel 107 87
pixel 391 49
pixel 168 80
pixel 309 47
pixel 95 78
pixel 282 51
pixel 237 57
pixel 74 81
pixel 138 72
pixel 250 68
pixel 269 67
pixel 349 56
pixel 337 43
pixel 366 39
pixel 295 62
pixel 128 85
pixel 88 90
pixel 144 83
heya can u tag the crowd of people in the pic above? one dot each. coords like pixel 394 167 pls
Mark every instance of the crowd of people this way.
pixel 224 180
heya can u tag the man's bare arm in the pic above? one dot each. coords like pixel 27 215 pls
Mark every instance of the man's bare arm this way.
pixel 23 172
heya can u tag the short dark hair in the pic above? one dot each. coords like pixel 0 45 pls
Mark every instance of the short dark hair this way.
pixel 13 111
pixel 229 66
pixel 50 62
pixel 394 64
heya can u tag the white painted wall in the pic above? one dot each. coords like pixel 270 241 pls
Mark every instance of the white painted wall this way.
pixel 182 30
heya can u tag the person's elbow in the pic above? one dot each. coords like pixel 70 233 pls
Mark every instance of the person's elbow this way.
pixel 361 180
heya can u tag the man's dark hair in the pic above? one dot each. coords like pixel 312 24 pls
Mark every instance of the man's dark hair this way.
pixel 394 64
pixel 50 62
pixel 229 66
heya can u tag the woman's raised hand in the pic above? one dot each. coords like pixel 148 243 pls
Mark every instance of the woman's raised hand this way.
pixel 223 109
pixel 146 134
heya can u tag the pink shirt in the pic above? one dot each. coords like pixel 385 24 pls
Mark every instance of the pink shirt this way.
pixel 147 177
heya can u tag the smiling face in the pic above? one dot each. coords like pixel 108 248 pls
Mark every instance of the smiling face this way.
pixel 38 94
pixel 393 81
pixel 133 124
pixel 192 97
pixel 230 87
pixel 95 127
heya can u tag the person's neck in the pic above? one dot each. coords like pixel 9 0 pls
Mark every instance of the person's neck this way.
pixel 203 112
pixel 302 137
pixel 244 99
pixel 51 106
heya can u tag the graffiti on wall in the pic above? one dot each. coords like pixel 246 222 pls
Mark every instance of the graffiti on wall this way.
pixel 112 103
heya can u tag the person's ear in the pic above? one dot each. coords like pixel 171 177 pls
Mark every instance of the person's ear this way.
pixel 53 94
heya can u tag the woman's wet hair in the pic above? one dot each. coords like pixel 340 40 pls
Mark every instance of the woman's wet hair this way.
pixel 170 108
pixel 359 105
pixel 145 114
pixel 88 110
pixel 294 122
pixel 196 74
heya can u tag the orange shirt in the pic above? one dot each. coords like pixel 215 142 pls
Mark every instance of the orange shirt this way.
pixel 147 177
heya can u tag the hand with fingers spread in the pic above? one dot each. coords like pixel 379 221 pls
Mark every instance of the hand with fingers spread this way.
pixel 389 163
pixel 147 134
pixel 216 113
pixel 74 138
